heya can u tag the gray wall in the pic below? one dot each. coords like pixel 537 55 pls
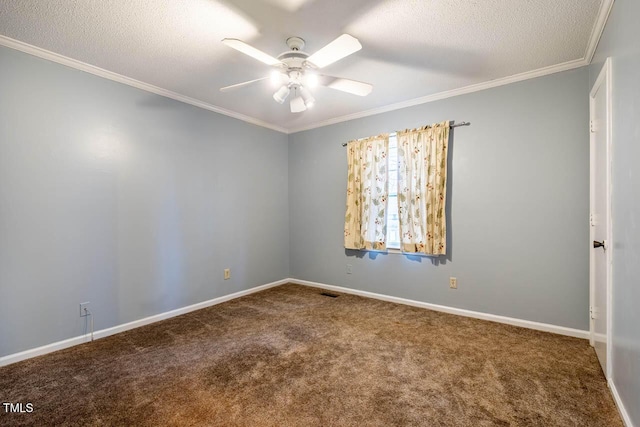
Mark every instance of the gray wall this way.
pixel 620 42
pixel 519 193
pixel 126 199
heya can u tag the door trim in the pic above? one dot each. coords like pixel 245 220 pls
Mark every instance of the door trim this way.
pixel 604 78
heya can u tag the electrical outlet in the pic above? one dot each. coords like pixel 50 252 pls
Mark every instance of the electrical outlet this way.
pixel 84 305
pixel 453 283
pixel 349 269
pixel 227 273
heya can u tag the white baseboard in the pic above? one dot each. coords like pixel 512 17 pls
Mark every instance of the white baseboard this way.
pixel 27 354
pixel 578 333
pixel 623 411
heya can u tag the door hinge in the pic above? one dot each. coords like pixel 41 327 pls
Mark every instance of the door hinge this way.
pixel 592 126
pixel 591 316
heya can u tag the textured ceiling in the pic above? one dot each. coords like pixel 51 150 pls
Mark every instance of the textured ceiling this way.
pixel 411 49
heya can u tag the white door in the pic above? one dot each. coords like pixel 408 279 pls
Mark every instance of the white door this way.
pixel 600 222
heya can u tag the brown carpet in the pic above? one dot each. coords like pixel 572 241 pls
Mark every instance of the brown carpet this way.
pixel 289 356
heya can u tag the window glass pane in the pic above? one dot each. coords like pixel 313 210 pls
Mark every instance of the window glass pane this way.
pixel 393 165
pixel 393 225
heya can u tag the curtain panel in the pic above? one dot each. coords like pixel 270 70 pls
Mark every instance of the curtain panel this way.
pixel 422 188
pixel 365 223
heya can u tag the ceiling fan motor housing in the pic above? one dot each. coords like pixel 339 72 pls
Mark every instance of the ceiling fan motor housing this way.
pixel 295 61
pixel 294 58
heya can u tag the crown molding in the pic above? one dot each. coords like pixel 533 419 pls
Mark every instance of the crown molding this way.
pixel 110 75
pixel 598 29
pixel 594 39
pixel 449 93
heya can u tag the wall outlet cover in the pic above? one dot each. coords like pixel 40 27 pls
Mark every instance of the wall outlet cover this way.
pixel 227 273
pixel 84 305
pixel 453 283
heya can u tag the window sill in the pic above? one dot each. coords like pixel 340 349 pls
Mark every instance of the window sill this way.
pixel 394 251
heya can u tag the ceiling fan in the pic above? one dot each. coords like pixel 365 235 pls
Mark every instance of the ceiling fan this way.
pixel 295 70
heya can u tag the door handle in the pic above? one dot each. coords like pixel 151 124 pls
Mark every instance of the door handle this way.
pixel 597 244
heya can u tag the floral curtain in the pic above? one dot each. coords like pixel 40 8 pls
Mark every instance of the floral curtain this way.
pixel 367 193
pixel 422 185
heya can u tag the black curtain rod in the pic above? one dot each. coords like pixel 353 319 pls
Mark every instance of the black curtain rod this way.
pixel 455 125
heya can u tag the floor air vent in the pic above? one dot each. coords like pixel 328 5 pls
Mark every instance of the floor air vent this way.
pixel 327 294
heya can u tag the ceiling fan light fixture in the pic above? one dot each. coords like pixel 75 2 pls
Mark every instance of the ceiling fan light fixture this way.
pixel 281 94
pixel 297 105
pixel 309 100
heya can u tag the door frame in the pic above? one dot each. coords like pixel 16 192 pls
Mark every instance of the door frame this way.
pixel 604 78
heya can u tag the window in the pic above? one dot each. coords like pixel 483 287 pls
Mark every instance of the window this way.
pixel 398 180
pixel 393 222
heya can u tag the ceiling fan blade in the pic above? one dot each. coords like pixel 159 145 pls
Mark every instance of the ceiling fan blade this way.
pixel 346 85
pixel 241 46
pixel 339 48
pixel 239 85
